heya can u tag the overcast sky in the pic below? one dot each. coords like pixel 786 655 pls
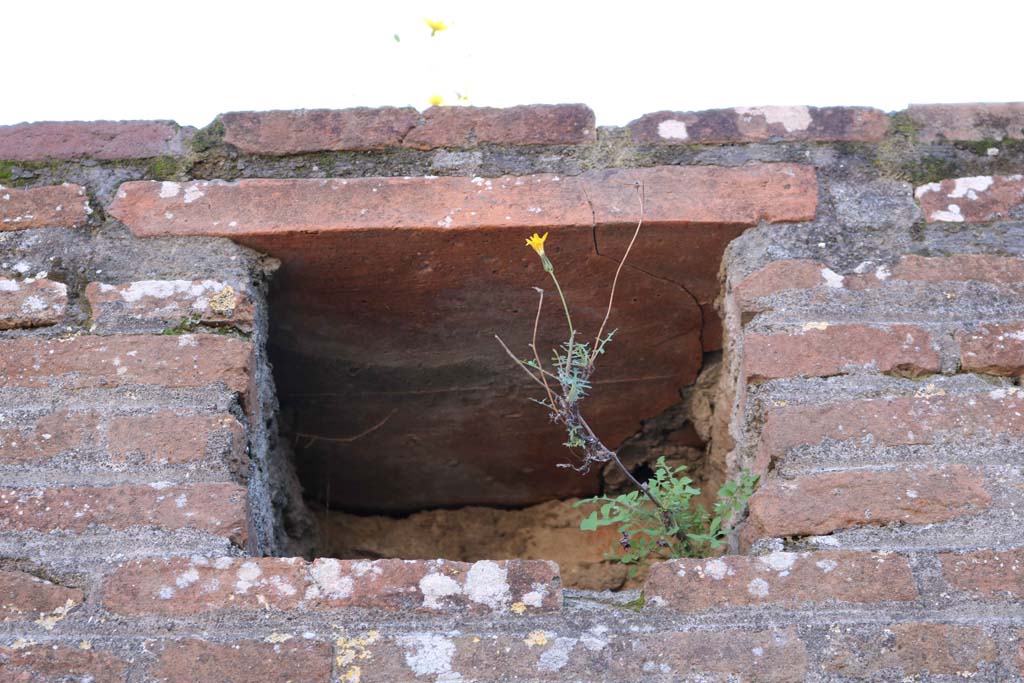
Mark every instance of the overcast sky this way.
pixel 189 60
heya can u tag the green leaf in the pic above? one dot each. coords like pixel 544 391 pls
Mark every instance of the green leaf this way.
pixel 589 523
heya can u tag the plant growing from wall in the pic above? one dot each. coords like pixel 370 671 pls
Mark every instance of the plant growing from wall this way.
pixel 657 518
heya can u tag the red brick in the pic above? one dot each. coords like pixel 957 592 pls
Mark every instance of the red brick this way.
pixel 170 302
pixel 760 124
pixel 318 130
pixel 42 663
pixel 822 350
pixel 676 195
pixel 1002 270
pixel 103 140
pixel 969 121
pixel 201 661
pixel 200 585
pixel 910 650
pixel 986 573
pixel 50 435
pixel 537 124
pixel 31 303
pixel 23 596
pixel 784 579
pixel 822 503
pixel 91 361
pixel 900 421
pixel 168 437
pixel 779 276
pixel 993 349
pixel 974 200
pixel 217 508
pixel 52 206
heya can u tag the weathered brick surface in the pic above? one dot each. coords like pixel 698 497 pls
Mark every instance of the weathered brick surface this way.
pixel 821 350
pixel 188 360
pixel 986 573
pixel 759 124
pixel 104 140
pixel 52 206
pixel 973 200
pixel 202 661
pixel 895 421
pixel 822 503
pixel 51 434
pixel 217 508
pixel 23 596
pixel 167 437
pixel 538 124
pixel 44 663
pixel 1002 270
pixel 316 130
pixel 901 651
pixel 170 303
pixel 31 302
pixel 993 349
pixel 781 578
pixel 969 121
pixel 184 586
pixel 676 195
pixel 779 276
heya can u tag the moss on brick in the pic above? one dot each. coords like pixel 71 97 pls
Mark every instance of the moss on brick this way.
pixel 208 137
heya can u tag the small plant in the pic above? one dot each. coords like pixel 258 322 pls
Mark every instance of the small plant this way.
pixel 657 518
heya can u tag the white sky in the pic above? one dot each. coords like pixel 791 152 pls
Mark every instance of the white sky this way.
pixel 188 60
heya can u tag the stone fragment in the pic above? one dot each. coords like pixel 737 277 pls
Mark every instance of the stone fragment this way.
pixel 31 302
pixel 23 596
pixel 218 508
pixel 969 121
pixel 815 504
pixel 203 661
pixel 986 573
pixel 993 349
pixel 168 437
pixel 779 276
pixel 49 435
pixel 51 206
pixel 48 663
pixel 318 130
pixel 791 580
pixel 537 124
pixel 978 199
pixel 761 124
pixel 170 303
pixel 909 650
pixel 1000 270
pixel 820 349
pixel 101 140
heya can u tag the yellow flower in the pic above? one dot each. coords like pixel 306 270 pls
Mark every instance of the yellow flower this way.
pixel 436 26
pixel 436 100
pixel 537 242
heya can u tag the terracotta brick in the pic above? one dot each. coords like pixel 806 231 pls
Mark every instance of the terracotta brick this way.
pixel 900 421
pixel 44 663
pixel 676 195
pixel 986 573
pixel 969 121
pixel 23 596
pixel 318 130
pixel 188 360
pixel 103 140
pixel 761 124
pixel 779 276
pixel 217 508
pixel 200 585
pixel 50 435
pixel 537 124
pixel 1001 270
pixel 781 578
pixel 201 661
pixel 167 437
pixel 822 350
pixel 910 650
pixel 52 206
pixel 170 303
pixel 31 303
pixel 973 200
pixel 822 503
pixel 993 349
pixel 183 586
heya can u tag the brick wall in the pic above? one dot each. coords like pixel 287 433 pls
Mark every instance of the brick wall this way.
pixel 871 301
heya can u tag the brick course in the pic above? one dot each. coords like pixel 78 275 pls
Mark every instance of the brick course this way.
pixel 54 206
pixel 31 302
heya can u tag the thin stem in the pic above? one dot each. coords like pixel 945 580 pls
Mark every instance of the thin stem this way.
pixel 620 465
pixel 615 281
pixel 565 306
pixel 533 345
pixel 520 363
